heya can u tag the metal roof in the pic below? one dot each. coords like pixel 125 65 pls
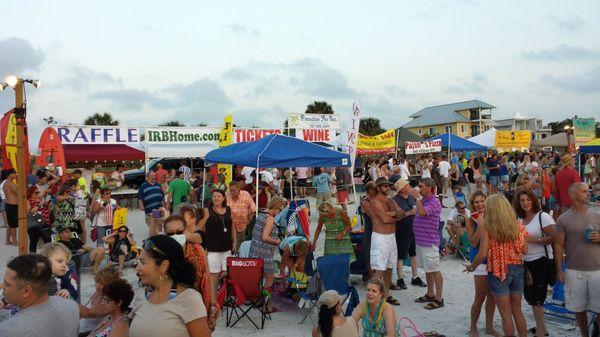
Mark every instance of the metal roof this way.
pixel 444 114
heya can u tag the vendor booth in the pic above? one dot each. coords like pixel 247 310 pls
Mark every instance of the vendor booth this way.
pixel 456 143
pixel 487 139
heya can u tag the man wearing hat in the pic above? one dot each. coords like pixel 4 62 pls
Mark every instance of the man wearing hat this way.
pixel 405 238
pixel 11 191
pixel 383 254
pixel 564 178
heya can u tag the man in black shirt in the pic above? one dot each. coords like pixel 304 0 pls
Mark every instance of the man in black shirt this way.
pixel 405 238
pixel 90 257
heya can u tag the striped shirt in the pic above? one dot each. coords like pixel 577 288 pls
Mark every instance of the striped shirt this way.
pixel 426 228
pixel 151 195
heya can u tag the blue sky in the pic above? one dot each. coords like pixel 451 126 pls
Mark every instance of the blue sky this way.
pixel 147 62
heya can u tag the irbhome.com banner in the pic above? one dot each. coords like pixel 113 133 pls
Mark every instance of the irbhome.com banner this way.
pixel 182 135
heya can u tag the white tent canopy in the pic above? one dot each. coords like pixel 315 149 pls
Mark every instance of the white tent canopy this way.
pixel 487 139
pixel 179 150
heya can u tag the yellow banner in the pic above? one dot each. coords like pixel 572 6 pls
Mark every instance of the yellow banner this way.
pixel 379 144
pixel 513 140
pixel 226 138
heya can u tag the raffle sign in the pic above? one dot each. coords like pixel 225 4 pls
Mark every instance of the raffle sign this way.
pixel 316 135
pixel 423 147
pixel 183 135
pixel 313 121
pixel 513 140
pixel 97 134
pixel 250 135
pixel 382 143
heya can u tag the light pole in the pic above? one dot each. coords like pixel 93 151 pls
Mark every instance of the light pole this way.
pixel 569 130
pixel 20 112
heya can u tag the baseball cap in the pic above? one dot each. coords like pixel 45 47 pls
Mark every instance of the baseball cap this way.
pixel 41 172
pixel 330 298
pixel 400 184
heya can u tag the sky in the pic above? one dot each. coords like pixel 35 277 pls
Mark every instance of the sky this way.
pixel 148 62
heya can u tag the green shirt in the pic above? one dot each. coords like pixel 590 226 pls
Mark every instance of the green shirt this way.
pixel 180 188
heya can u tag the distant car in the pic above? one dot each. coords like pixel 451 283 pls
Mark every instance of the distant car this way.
pixel 135 178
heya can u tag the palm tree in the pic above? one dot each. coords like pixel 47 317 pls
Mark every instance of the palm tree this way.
pixel 202 124
pixel 370 126
pixel 322 108
pixel 172 123
pixel 104 118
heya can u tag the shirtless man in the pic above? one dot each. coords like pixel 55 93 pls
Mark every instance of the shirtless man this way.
pixel 365 205
pixel 11 191
pixel 383 212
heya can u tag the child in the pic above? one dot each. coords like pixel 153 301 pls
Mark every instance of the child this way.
pixel 60 256
pixel 459 195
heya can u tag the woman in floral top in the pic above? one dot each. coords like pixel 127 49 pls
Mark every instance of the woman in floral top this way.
pixel 502 241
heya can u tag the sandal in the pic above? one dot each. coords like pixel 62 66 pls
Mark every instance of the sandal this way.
pixel 395 287
pixel 533 330
pixel 425 299
pixel 433 334
pixel 435 304
pixel 392 301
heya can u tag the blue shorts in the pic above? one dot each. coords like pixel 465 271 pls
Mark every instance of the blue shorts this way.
pixel 494 180
pixel 505 178
pixel 513 284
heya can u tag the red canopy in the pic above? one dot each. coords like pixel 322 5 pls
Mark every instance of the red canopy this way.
pixel 101 152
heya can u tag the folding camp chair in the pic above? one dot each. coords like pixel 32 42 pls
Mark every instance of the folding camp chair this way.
pixel 334 273
pixel 555 307
pixel 244 288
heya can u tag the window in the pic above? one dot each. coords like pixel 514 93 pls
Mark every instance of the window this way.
pixel 419 131
pixel 463 128
pixel 448 129
pixel 432 131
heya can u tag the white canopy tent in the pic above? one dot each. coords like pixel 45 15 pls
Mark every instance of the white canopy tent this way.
pixel 179 150
pixel 487 139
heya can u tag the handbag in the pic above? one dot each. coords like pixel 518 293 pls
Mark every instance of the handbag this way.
pixel 35 221
pixel 551 268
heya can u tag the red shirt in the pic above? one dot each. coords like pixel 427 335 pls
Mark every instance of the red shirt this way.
pixel 160 174
pixel 564 179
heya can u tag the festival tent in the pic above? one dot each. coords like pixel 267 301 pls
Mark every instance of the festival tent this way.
pixel 591 147
pixel 559 139
pixel 179 150
pixel 455 143
pixel 277 151
pixel 487 139
pixel 101 152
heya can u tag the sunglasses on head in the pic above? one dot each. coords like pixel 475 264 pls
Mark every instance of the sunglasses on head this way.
pixel 175 233
pixel 150 246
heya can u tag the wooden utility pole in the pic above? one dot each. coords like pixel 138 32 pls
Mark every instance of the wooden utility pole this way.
pixel 20 112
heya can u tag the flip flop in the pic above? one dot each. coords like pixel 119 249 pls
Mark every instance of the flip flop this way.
pixel 392 301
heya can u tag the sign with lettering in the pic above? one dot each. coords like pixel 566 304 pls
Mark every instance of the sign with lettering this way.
pixel 382 143
pixel 250 135
pixel 183 135
pixel 513 140
pixel 585 130
pixel 316 135
pixel 97 134
pixel 313 121
pixel 423 147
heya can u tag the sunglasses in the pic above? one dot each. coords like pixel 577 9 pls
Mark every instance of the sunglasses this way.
pixel 461 208
pixel 150 246
pixel 175 233
pixel 123 231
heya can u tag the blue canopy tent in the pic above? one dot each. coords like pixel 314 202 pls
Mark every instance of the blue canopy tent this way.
pixel 277 151
pixel 591 147
pixel 455 143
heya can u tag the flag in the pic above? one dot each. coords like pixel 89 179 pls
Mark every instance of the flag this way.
pixel 8 135
pixel 353 132
pixel 226 138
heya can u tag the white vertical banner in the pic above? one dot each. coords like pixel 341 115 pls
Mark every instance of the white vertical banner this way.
pixel 353 132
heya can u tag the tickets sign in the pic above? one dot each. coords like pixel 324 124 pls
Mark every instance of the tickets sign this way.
pixel 249 135
pixel 183 135
pixel 513 140
pixel 316 135
pixel 382 143
pixel 97 134
pixel 313 121
pixel 427 146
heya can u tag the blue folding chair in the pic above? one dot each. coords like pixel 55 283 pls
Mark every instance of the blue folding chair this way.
pixel 334 273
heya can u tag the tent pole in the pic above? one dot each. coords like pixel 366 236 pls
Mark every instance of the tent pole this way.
pixel 257 180
pixel 203 186
pixel 397 149
pixel 291 185
pixel 353 188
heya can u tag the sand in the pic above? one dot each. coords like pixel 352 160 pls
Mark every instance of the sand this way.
pixel 452 320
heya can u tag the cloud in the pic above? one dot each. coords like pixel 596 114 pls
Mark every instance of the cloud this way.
pixel 572 24
pixel 131 99
pixel 18 56
pixel 588 83
pixel 477 83
pixel 562 52
pixel 82 78
pixel 202 101
pixel 308 76
pixel 238 29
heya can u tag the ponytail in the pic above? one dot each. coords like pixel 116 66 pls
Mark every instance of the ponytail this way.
pixel 325 322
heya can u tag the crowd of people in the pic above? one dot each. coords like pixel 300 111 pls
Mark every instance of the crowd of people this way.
pixel 512 219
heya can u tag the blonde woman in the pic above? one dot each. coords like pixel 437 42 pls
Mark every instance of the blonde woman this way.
pixel 502 241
